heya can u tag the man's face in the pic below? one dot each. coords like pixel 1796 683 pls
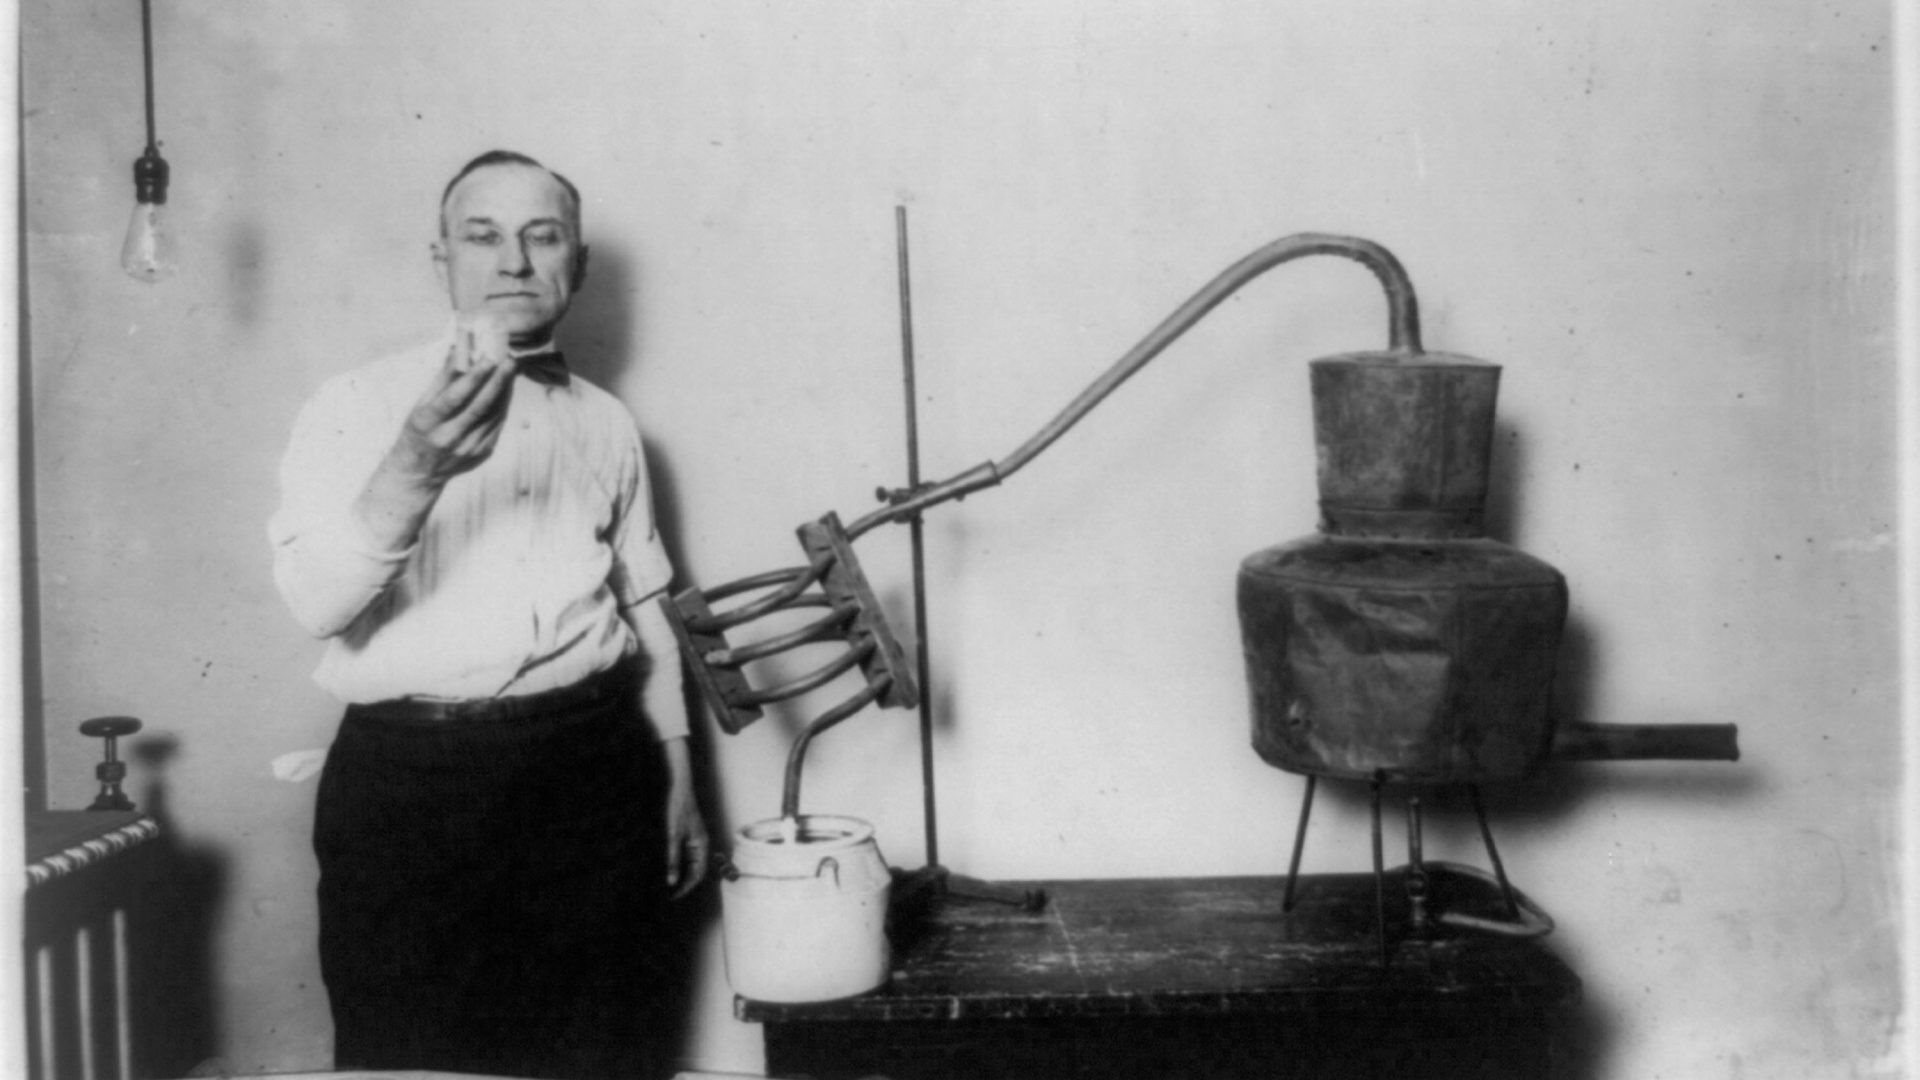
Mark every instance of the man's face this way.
pixel 511 247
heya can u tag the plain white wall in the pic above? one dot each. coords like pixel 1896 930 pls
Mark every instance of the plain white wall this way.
pixel 1671 221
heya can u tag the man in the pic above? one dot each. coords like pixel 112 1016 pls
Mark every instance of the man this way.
pixel 470 529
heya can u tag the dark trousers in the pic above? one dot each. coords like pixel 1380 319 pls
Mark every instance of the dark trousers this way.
pixel 492 895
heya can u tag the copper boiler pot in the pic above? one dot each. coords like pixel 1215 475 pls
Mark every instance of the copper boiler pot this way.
pixel 1400 642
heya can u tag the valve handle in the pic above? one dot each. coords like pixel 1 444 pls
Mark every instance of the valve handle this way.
pixel 110 727
pixel 111 771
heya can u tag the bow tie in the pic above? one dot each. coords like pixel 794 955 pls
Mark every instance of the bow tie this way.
pixel 548 368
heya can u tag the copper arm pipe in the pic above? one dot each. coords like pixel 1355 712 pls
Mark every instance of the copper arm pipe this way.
pixel 1403 331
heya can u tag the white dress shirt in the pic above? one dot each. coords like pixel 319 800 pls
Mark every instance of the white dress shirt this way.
pixel 521 574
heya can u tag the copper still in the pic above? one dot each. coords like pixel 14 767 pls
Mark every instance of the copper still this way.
pixel 1398 644
pixel 1401 643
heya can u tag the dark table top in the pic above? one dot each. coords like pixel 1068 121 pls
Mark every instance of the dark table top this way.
pixel 1194 946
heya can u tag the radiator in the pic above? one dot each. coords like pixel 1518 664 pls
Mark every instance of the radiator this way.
pixel 81 883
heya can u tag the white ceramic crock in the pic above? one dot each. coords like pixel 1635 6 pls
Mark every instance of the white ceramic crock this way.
pixel 804 918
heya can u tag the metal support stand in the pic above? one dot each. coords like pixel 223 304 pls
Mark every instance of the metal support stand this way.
pixel 1417 886
pixel 1493 853
pixel 1299 842
pixel 1379 874
pixel 932 880
pixel 1522 918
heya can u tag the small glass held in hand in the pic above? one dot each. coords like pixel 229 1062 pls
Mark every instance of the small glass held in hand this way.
pixel 479 341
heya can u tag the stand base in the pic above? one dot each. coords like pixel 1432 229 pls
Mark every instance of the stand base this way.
pixel 918 888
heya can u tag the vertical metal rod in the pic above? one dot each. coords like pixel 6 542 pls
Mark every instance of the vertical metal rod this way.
pixel 1493 853
pixel 43 992
pixel 122 997
pixel 1416 868
pixel 146 54
pixel 1299 842
pixel 1379 873
pixel 83 999
pixel 928 809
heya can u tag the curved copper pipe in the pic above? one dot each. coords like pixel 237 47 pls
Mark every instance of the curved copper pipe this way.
pixel 1403 335
pixel 797 580
pixel 814 679
pixel 790 797
pixel 820 629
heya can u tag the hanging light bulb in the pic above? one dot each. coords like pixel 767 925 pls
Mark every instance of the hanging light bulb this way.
pixel 148 254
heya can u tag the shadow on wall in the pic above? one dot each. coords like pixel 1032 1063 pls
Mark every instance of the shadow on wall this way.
pixel 170 934
pixel 1586 1039
pixel 603 344
pixel 600 336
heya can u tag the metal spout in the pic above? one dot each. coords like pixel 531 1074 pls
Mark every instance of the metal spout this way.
pixel 1646 742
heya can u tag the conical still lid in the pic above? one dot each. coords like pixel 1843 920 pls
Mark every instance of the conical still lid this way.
pixel 1403 440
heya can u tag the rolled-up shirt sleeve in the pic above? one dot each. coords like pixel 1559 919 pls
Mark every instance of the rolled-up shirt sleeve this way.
pixel 641 567
pixel 327 568
pixel 641 573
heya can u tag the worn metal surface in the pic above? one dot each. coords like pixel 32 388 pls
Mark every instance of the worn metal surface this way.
pixel 1425 662
pixel 1403 442
pixel 1401 643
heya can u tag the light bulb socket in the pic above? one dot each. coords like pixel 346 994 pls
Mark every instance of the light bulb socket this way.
pixel 150 178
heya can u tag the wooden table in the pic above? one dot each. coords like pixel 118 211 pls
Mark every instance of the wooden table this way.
pixel 1203 977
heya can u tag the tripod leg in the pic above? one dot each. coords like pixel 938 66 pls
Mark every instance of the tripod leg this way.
pixel 1299 842
pixel 1493 853
pixel 1416 870
pixel 1379 873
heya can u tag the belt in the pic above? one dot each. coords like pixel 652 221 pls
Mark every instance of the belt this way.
pixel 613 684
